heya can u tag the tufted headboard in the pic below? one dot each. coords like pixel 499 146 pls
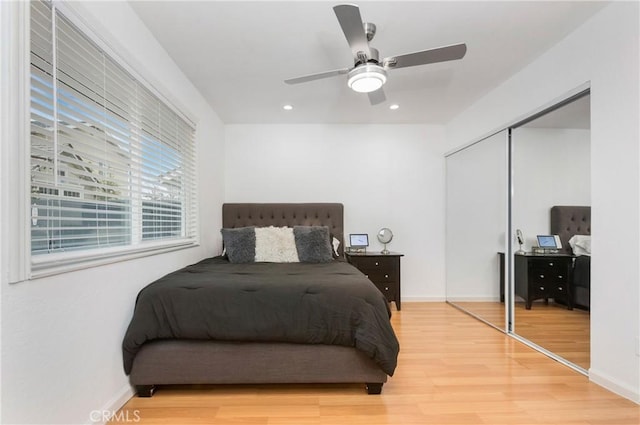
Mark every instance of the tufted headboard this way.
pixel 567 221
pixel 284 214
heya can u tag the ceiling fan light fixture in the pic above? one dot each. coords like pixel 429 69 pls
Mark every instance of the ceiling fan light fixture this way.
pixel 366 78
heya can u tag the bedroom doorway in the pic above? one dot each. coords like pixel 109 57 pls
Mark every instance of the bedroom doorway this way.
pixel 551 156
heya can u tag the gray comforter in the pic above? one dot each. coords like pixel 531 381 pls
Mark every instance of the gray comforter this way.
pixel 326 303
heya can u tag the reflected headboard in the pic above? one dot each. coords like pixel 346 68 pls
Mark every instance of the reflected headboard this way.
pixel 567 221
pixel 287 214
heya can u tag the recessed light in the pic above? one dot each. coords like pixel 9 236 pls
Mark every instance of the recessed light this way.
pixel 394 106
pixel 287 107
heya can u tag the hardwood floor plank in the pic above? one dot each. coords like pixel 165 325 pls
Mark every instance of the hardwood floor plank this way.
pixel 452 369
pixel 552 326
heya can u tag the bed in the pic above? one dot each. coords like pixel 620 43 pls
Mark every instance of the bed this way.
pixel 566 222
pixel 163 347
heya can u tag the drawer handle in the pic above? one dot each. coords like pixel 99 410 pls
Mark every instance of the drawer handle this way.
pixel 551 264
pixel 386 275
pixel 559 288
pixel 366 275
pixel 386 288
pixel 560 276
pixel 376 263
pixel 541 276
pixel 542 288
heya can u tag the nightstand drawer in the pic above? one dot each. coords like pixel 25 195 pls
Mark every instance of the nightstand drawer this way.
pixel 543 277
pixel 555 272
pixel 382 270
pixel 381 277
pixel 372 265
pixel 559 292
pixel 389 290
pixel 549 289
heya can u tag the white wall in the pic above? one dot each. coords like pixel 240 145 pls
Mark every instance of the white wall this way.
pixel 385 175
pixel 61 336
pixel 476 217
pixel 550 167
pixel 604 51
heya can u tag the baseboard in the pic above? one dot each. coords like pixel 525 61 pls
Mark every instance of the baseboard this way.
pixel 444 299
pixel 610 384
pixel 423 299
pixel 102 416
pixel 474 299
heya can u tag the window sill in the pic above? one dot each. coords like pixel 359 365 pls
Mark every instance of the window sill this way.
pixel 41 267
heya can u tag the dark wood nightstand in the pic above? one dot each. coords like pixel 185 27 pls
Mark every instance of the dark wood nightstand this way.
pixel 543 276
pixel 381 269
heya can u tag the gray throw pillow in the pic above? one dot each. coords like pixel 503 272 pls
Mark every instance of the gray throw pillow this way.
pixel 313 244
pixel 240 244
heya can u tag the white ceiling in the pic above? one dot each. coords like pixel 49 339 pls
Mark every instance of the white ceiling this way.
pixel 237 53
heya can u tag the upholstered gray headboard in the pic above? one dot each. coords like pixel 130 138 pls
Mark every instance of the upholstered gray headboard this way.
pixel 286 214
pixel 567 221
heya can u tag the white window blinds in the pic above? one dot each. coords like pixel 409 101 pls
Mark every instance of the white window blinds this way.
pixel 112 165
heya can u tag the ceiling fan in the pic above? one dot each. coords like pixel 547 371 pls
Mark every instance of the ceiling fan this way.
pixel 369 73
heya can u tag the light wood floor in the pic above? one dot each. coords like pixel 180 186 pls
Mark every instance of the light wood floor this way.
pixel 551 326
pixel 452 369
pixel 561 331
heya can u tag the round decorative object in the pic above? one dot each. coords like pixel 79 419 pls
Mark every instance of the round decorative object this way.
pixel 385 235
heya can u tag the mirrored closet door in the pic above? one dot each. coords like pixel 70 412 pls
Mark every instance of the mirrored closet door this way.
pixel 551 195
pixel 476 228
pixel 518 214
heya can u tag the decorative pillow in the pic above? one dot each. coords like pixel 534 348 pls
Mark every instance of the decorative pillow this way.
pixel 580 244
pixel 240 244
pixel 275 245
pixel 313 244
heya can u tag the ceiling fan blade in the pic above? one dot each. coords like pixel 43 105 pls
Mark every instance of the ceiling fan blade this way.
pixel 439 54
pixel 351 23
pixel 317 76
pixel 377 97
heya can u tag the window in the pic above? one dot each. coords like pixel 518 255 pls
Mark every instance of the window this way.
pixel 112 165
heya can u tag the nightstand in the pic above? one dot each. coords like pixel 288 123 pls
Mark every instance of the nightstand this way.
pixel 543 276
pixel 381 269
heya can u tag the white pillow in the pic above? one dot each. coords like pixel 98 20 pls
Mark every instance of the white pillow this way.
pixel 580 244
pixel 336 245
pixel 276 245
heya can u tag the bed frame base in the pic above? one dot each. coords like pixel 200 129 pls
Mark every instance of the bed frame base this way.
pixel 373 388
pixel 176 362
pixel 145 390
